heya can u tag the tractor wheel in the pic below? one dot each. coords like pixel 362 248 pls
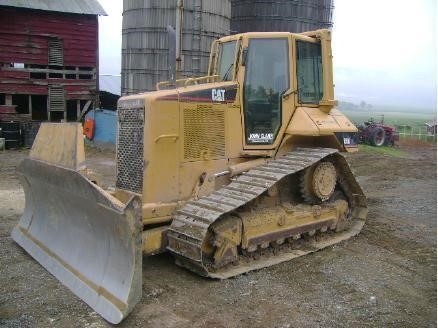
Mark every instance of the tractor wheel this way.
pixel 378 136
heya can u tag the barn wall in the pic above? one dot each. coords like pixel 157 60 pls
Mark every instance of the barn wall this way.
pixel 25 36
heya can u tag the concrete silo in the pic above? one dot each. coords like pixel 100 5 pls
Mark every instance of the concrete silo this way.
pixel 145 39
pixel 280 15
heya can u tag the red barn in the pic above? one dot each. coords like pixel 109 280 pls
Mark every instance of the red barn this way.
pixel 48 58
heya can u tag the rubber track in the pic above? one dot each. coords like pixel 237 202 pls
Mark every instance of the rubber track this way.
pixel 190 223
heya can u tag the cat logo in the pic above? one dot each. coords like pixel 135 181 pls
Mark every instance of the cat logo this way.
pixel 218 94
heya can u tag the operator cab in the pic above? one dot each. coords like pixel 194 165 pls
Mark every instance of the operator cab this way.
pixel 270 68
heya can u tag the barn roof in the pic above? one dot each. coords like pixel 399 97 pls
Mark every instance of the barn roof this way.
pixel 90 7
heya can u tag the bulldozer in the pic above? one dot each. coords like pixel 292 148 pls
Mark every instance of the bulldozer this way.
pixel 235 171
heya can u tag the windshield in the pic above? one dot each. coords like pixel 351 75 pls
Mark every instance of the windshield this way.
pixel 226 60
pixel 309 72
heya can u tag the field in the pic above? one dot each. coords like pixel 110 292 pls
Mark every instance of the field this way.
pixel 384 277
pixel 392 118
pixel 410 124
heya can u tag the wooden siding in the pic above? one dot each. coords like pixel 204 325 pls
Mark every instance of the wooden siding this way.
pixel 24 36
pixel 24 39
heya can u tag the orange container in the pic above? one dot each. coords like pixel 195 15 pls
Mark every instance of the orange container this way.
pixel 89 126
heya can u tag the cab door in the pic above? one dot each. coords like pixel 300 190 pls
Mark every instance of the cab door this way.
pixel 267 78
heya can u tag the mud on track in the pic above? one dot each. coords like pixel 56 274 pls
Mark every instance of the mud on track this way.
pixel 385 277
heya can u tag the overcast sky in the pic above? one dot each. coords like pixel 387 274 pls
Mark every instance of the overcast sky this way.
pixel 385 51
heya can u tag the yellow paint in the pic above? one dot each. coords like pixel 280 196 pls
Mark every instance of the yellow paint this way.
pixel 315 122
pixel 60 144
pixel 154 240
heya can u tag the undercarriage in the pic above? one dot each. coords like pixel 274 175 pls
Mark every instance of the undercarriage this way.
pixel 299 203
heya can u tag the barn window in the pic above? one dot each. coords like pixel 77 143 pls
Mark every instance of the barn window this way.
pixel 83 76
pixel 56 52
pixel 55 72
pixel 71 74
pixel 38 71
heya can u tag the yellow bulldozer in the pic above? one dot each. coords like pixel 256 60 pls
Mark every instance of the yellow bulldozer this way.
pixel 231 172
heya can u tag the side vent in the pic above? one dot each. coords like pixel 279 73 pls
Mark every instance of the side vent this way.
pixel 204 133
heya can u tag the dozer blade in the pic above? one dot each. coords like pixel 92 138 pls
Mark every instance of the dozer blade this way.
pixel 85 237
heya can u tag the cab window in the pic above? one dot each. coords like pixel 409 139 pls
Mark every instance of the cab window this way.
pixel 266 79
pixel 226 60
pixel 309 72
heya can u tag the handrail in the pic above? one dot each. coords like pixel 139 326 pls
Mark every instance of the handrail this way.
pixel 173 137
pixel 187 81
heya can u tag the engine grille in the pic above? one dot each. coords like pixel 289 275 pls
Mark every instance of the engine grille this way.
pixel 130 160
pixel 204 133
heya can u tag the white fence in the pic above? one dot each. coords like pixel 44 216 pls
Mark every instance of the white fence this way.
pixel 415 132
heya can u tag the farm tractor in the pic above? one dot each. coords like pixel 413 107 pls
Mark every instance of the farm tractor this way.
pixel 377 133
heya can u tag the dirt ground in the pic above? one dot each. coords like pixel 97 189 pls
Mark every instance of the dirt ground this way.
pixel 384 277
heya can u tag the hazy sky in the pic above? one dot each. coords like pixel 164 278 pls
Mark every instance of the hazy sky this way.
pixel 385 51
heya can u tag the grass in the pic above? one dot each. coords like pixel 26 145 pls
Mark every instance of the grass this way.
pixel 384 150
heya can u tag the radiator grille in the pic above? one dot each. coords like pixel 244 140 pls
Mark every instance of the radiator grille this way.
pixel 204 133
pixel 130 149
